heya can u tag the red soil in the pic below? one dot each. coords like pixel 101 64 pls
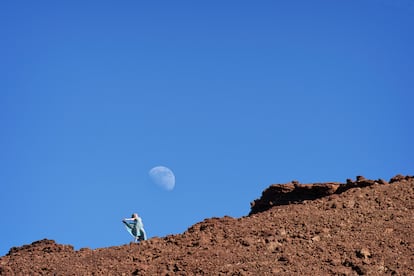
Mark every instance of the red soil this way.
pixel 363 227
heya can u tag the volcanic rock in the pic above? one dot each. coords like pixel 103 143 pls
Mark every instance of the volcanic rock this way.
pixel 361 227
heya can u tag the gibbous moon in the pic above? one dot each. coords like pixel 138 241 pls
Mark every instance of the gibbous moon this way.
pixel 163 177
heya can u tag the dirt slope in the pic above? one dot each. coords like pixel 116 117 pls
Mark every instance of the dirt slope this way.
pixel 363 227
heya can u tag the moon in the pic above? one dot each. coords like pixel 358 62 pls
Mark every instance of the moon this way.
pixel 163 177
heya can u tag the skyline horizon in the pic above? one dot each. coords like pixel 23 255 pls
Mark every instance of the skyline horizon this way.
pixel 230 96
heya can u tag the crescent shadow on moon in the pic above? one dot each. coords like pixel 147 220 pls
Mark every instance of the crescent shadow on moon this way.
pixel 163 177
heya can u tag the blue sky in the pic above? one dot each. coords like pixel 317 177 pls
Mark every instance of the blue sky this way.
pixel 231 95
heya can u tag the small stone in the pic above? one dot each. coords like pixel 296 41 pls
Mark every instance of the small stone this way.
pixel 360 178
pixel 363 253
pixel 283 259
pixel 316 238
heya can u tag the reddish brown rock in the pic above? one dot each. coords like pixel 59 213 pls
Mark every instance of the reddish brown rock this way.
pixel 359 228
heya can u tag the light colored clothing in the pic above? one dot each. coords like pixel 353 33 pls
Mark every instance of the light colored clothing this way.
pixel 136 229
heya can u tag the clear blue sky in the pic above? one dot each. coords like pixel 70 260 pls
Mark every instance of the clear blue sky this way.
pixel 231 95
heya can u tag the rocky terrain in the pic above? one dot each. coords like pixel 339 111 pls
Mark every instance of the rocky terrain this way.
pixel 361 227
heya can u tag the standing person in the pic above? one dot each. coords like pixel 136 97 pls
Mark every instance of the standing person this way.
pixel 135 227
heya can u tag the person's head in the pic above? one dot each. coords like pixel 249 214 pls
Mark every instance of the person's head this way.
pixel 134 216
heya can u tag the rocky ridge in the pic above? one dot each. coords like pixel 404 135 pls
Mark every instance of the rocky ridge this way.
pixel 362 227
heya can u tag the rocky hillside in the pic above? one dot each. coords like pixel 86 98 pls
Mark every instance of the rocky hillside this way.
pixel 362 227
